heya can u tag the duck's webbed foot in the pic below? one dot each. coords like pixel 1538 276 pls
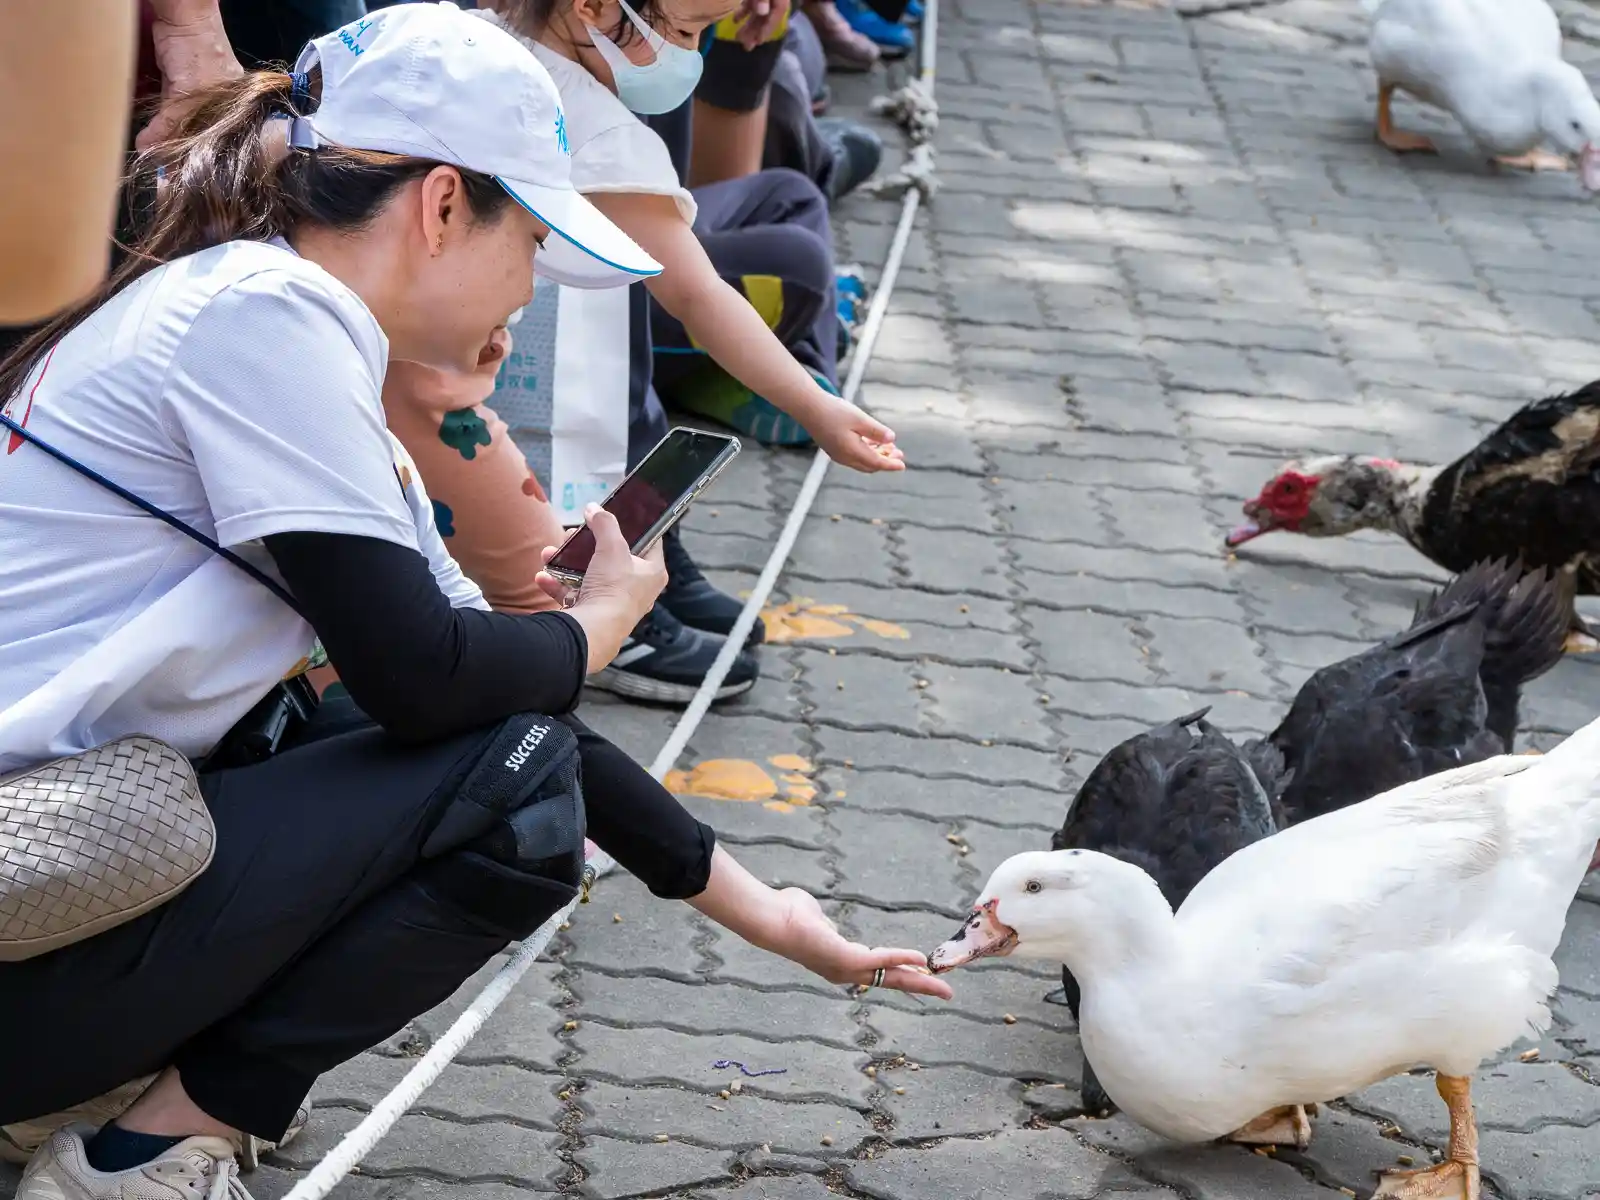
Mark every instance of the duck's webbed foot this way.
pixel 1534 160
pixel 1447 1181
pixel 1286 1126
pixel 1457 1177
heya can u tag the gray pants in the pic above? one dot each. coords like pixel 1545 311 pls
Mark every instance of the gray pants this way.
pixel 793 139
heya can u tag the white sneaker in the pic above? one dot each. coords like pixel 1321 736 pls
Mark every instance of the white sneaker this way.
pixel 197 1168
pixel 19 1142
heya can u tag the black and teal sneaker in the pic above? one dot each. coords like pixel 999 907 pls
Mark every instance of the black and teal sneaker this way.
pixel 698 602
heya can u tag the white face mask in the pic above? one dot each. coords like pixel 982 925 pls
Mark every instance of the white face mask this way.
pixel 659 86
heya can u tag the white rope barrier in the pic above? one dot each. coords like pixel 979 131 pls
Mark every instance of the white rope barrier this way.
pixel 914 107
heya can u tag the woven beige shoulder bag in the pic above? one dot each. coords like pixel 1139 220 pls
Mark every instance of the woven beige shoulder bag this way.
pixel 94 840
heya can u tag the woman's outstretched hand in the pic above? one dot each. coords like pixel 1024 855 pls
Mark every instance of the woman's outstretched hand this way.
pixel 790 922
pixel 812 940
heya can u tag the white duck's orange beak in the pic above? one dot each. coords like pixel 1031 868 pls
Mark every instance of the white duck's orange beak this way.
pixel 983 936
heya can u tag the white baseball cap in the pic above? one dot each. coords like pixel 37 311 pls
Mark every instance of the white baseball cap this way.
pixel 431 81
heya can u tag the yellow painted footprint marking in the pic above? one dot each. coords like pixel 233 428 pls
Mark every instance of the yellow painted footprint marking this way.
pixel 741 779
pixel 803 619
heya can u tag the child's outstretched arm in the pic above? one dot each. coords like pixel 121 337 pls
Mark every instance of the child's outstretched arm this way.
pixel 733 333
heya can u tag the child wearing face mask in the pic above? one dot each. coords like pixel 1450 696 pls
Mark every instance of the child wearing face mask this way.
pixel 613 63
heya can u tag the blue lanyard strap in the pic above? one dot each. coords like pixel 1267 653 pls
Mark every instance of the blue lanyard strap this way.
pixel 183 527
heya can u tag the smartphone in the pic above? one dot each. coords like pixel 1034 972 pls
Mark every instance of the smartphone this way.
pixel 652 498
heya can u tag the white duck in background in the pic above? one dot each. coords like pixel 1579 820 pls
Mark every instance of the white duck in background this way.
pixel 1497 66
pixel 1414 929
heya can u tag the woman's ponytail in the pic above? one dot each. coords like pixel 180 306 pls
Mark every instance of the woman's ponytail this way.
pixel 218 174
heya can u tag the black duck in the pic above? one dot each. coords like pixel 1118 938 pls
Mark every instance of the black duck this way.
pixel 1442 694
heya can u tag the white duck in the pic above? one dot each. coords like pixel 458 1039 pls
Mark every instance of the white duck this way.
pixel 1414 929
pixel 1497 66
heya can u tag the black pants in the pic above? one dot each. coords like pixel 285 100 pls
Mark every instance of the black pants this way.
pixel 768 235
pixel 356 884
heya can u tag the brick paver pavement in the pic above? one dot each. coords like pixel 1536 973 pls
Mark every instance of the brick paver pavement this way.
pixel 1166 255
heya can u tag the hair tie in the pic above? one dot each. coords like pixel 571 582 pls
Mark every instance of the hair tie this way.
pixel 300 92
pixel 301 135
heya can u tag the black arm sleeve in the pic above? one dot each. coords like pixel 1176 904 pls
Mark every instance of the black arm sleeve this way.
pixel 420 668
pixel 639 823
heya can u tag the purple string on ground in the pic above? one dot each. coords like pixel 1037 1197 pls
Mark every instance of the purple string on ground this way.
pixel 722 1064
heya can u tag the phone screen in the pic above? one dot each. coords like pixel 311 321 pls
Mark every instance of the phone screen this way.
pixel 648 494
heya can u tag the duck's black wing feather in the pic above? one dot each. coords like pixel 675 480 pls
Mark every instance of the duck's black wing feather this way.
pixel 1405 708
pixel 1215 805
pixel 1124 797
pixel 1531 489
pixel 1526 616
pixel 1408 728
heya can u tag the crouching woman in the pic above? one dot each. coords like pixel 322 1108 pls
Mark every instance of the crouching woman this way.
pixel 197 492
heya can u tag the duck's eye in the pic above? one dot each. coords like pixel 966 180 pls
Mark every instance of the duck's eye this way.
pixel 1033 886
pixel 1576 127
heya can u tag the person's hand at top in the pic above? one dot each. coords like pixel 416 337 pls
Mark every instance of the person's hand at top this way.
pixel 851 437
pixel 192 53
pixel 618 588
pixel 761 18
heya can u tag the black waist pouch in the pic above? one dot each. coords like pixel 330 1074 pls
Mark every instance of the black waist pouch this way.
pixel 509 850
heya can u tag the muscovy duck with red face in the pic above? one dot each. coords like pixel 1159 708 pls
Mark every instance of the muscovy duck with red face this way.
pixel 1528 491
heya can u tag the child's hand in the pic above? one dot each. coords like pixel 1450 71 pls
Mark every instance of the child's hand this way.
pixel 854 439
pixel 760 20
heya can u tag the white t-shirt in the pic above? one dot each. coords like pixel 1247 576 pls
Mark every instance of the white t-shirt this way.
pixel 239 389
pixel 612 149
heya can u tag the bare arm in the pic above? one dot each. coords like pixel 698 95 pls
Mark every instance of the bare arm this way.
pixel 192 52
pixel 791 923
pixel 66 87
pixel 733 333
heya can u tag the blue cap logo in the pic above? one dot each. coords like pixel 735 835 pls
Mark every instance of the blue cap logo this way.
pixel 561 132
pixel 351 35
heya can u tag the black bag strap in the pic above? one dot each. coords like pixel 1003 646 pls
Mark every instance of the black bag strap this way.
pixel 261 577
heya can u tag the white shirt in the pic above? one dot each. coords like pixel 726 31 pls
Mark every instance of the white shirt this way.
pixel 612 149
pixel 239 389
